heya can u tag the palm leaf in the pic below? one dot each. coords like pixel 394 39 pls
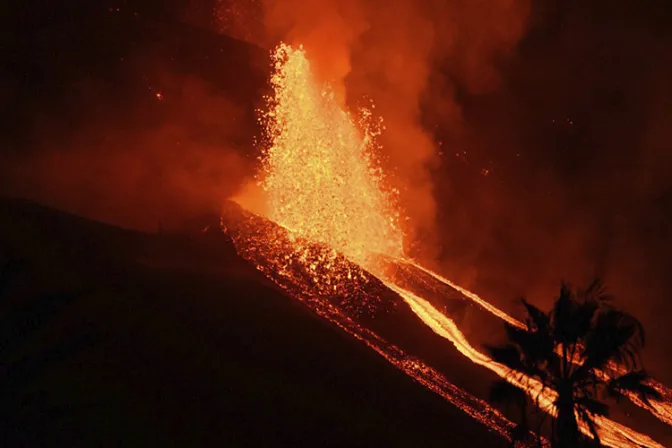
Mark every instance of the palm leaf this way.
pixel 540 320
pixel 563 314
pixel 535 346
pixel 585 416
pixel 572 318
pixel 585 322
pixel 596 292
pixel 521 433
pixel 507 355
pixel 583 318
pixel 593 406
pixel 615 336
pixel 636 382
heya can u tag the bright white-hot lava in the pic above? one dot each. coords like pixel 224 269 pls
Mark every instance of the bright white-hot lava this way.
pixel 322 184
pixel 319 175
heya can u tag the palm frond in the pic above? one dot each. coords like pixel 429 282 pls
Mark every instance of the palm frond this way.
pixel 563 316
pixel 589 328
pixel 572 318
pixel 540 321
pixel 596 292
pixel 593 406
pixel 636 382
pixel 615 336
pixel 535 346
pixel 585 417
pixel 583 318
pixel 507 355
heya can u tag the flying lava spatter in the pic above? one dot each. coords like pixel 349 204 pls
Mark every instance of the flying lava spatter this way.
pixel 318 173
pixel 323 186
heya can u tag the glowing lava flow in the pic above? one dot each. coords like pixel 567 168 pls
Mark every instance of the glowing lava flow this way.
pixel 251 233
pixel 661 409
pixel 321 185
pixel 611 433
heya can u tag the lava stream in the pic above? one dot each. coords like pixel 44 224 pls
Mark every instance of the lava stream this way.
pixel 285 264
pixel 661 409
pixel 611 433
pixel 335 217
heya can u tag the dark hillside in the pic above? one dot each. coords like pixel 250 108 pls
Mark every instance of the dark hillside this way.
pixel 194 348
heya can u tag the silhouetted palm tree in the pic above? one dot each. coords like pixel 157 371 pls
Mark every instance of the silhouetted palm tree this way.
pixel 585 350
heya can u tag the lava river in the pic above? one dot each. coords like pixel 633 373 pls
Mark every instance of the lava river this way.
pixel 329 235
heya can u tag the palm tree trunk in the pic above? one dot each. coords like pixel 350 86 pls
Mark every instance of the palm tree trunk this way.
pixel 567 429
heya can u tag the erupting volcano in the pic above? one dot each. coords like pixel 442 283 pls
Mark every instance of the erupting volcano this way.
pixel 332 238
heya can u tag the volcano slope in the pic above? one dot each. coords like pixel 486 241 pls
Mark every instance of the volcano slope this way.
pixel 194 347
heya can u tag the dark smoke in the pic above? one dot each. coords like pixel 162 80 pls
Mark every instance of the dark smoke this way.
pixel 388 51
pixel 127 113
pixel 579 146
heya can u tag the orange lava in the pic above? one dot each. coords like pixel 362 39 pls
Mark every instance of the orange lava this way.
pixel 322 184
pixel 661 409
pixel 319 173
pixel 611 433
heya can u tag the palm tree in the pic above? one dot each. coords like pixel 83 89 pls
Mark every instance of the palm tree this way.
pixel 585 350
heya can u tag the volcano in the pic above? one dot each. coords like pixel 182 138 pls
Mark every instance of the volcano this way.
pixel 195 347
pixel 302 322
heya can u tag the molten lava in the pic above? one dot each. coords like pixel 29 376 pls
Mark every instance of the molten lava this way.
pixel 320 175
pixel 333 231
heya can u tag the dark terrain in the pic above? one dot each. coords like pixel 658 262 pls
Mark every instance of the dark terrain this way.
pixel 193 347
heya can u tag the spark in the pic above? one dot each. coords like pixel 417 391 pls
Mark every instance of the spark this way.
pixel 319 173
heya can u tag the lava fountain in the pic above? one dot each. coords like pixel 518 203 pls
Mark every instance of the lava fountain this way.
pixel 319 174
pixel 334 226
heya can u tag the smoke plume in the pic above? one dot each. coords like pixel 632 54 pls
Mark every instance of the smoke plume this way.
pixel 146 121
pixel 554 160
pixel 409 56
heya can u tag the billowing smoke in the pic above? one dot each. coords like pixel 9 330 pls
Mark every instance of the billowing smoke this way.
pixel 147 122
pixel 408 56
pixel 555 159
pixel 143 177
